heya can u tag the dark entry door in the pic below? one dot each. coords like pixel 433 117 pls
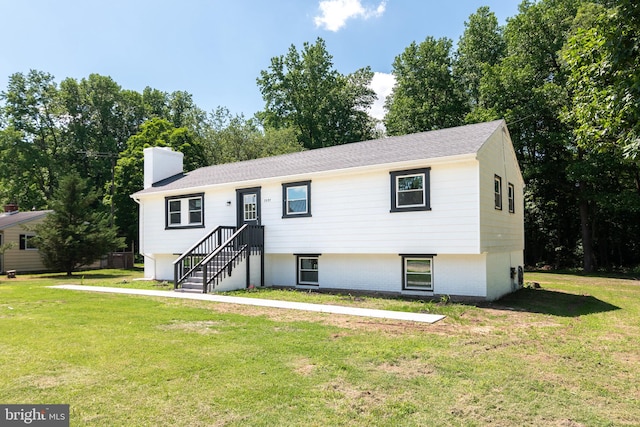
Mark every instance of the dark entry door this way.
pixel 248 203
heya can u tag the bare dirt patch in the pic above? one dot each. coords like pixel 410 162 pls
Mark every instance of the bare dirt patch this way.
pixel 407 369
pixel 303 366
pixel 59 378
pixel 483 321
pixel 205 327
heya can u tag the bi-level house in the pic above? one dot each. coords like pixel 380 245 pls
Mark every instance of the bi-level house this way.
pixel 428 214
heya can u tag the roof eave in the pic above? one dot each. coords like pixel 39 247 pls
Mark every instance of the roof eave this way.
pixel 301 176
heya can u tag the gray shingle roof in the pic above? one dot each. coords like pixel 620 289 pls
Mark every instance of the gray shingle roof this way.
pixel 9 220
pixel 425 145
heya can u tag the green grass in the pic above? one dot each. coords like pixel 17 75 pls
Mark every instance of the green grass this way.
pixel 564 355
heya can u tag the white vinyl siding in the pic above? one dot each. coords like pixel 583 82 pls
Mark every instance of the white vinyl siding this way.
pixel 352 218
pixel 500 231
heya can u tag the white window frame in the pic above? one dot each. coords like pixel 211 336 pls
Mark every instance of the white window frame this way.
pixel 26 238
pixel 250 214
pixel 314 268
pixel 497 192
pixel 286 213
pixel 421 190
pixel 406 259
pixel 511 197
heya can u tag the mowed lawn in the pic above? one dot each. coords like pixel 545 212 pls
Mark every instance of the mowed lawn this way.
pixel 567 354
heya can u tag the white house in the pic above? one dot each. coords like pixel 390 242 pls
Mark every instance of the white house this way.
pixel 433 213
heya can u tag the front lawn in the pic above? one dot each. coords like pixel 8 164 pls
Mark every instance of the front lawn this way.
pixel 567 354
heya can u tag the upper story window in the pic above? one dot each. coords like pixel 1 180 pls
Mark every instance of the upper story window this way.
pixel 497 192
pixel 410 190
pixel 296 199
pixel 511 196
pixel 26 242
pixel 185 211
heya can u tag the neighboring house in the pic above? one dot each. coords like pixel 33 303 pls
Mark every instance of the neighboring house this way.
pixel 23 256
pixel 433 213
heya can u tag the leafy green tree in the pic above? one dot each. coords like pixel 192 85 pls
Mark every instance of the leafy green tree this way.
pixel 76 234
pixel 603 82
pixel 129 170
pixel 233 138
pixel 303 92
pixel 100 117
pixel 482 45
pixel 425 96
pixel 528 89
pixel 32 142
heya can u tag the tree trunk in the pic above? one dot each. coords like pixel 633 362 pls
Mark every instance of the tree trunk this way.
pixel 587 241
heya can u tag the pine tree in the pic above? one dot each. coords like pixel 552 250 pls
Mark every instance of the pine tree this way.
pixel 76 233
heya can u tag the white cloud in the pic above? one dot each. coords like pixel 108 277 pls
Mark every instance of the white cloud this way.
pixel 335 13
pixel 382 84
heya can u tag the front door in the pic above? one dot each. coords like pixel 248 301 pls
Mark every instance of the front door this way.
pixel 248 202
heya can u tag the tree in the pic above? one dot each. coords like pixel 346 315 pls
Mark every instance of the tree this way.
pixel 76 233
pixel 302 91
pixel 603 82
pixel 129 169
pixel 32 143
pixel 233 138
pixel 425 96
pixel 482 45
pixel 100 117
pixel 528 89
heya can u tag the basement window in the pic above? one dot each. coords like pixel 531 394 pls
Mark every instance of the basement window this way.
pixel 417 272
pixel 307 272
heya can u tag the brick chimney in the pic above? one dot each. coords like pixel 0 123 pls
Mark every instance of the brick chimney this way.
pixel 11 207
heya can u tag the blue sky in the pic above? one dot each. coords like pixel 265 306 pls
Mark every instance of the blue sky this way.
pixel 216 49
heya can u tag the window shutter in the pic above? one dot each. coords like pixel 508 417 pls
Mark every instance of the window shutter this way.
pixel 23 242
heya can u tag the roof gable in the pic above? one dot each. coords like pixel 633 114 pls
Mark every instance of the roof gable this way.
pixel 419 146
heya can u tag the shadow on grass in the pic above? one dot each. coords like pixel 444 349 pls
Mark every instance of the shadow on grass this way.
pixel 556 303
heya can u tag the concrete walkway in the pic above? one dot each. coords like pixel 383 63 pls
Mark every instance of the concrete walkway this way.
pixel 321 308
